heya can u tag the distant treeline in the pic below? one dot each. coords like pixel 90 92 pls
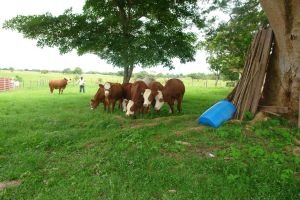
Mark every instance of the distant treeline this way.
pixel 141 74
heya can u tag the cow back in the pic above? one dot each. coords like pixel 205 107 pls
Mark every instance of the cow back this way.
pixel 127 90
pixel 174 88
pixel 116 91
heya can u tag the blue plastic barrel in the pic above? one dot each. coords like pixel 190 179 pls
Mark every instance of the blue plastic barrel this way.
pixel 218 114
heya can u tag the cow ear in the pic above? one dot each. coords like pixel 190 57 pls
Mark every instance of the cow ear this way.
pixel 100 85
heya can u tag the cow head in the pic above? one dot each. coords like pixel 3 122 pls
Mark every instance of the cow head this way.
pixel 130 108
pixel 67 79
pixel 93 104
pixel 99 97
pixel 107 87
pixel 148 98
pixel 159 101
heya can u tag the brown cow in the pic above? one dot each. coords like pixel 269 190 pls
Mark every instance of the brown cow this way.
pixel 126 94
pixel 136 103
pixel 149 94
pixel 58 84
pixel 113 92
pixel 98 98
pixel 173 91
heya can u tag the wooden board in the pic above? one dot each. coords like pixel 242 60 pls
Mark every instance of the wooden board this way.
pixel 247 93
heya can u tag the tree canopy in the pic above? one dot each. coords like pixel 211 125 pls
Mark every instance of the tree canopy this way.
pixel 228 42
pixel 126 33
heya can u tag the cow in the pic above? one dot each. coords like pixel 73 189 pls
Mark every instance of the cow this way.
pixel 149 94
pixel 58 84
pixel 113 92
pixel 136 103
pixel 126 94
pixel 173 91
pixel 98 98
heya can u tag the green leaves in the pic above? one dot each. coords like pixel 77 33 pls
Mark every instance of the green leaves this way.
pixel 228 44
pixel 125 33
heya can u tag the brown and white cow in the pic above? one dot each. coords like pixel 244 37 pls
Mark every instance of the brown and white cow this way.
pixel 173 91
pixel 126 94
pixel 136 103
pixel 113 92
pixel 98 98
pixel 151 92
pixel 58 84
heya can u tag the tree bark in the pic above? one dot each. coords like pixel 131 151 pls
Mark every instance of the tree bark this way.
pixel 217 78
pixel 127 74
pixel 283 77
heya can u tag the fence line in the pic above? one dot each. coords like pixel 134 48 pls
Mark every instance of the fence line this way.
pixel 43 83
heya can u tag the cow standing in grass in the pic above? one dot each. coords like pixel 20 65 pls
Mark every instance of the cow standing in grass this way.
pixel 58 84
pixel 98 98
pixel 136 103
pixel 173 91
pixel 113 92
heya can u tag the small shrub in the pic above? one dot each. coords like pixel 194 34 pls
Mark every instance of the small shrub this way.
pixel 19 78
pixel 44 71
pixel 248 116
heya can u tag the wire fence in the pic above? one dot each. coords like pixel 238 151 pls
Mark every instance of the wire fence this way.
pixel 44 83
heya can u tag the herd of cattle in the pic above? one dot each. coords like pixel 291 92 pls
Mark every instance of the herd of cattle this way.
pixel 134 97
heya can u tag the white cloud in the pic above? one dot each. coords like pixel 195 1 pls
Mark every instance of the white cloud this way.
pixel 21 53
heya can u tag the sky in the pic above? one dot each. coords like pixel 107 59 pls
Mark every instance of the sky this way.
pixel 21 53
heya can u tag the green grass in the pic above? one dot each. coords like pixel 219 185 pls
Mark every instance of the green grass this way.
pixel 60 149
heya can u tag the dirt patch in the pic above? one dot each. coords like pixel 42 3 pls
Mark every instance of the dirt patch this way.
pixel 296 151
pixel 297 141
pixel 259 117
pixel 119 119
pixel 9 184
pixel 197 128
pixel 184 143
pixel 142 125
pixel 89 145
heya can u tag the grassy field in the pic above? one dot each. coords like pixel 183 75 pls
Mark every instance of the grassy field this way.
pixel 57 148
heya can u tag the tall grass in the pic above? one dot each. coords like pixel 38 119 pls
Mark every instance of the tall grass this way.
pixel 60 149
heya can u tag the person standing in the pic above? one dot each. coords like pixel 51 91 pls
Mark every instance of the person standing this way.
pixel 81 84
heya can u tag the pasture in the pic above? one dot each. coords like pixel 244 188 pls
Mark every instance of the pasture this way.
pixel 57 148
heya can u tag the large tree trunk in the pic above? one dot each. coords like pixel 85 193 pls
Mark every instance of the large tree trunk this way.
pixel 127 74
pixel 283 76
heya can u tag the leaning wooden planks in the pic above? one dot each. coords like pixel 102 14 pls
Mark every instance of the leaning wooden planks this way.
pixel 248 91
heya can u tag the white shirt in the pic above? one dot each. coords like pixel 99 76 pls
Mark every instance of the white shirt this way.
pixel 81 81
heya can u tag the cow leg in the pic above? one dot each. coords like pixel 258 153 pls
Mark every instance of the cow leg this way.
pixel 51 90
pixel 107 102
pixel 104 105
pixel 120 104
pixel 59 90
pixel 179 104
pixel 113 103
pixel 171 104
